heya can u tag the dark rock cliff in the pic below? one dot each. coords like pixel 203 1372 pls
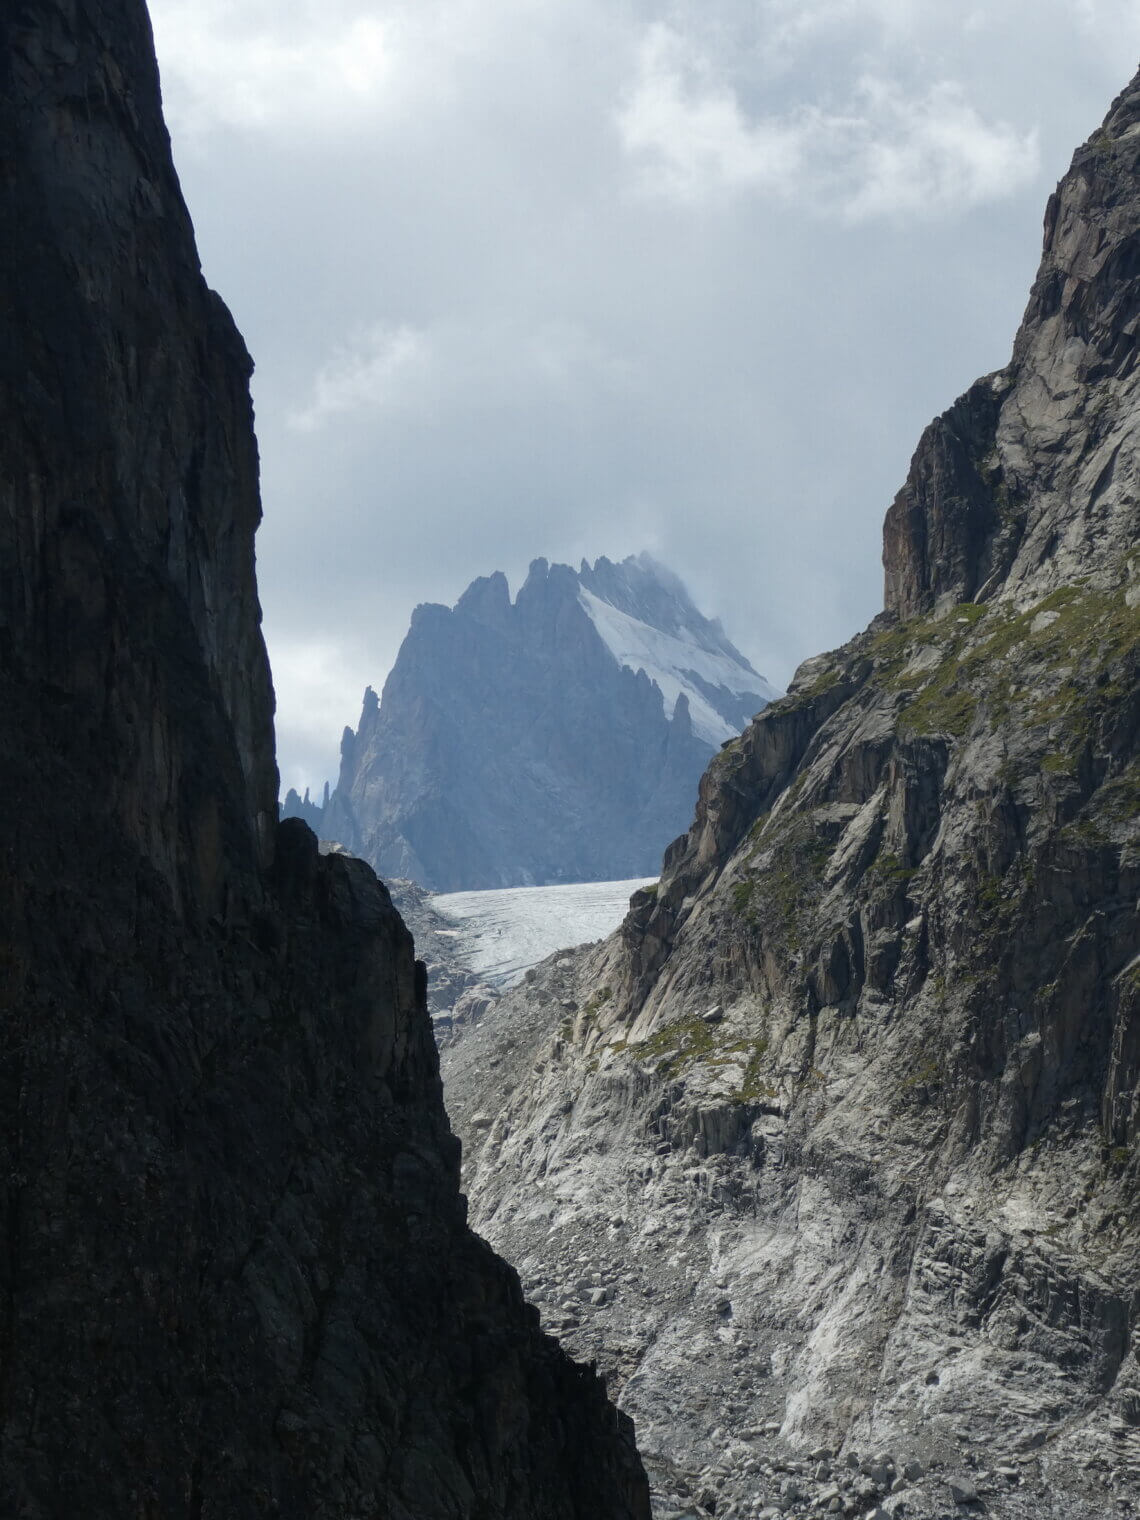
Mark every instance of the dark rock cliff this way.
pixel 872 1043
pixel 128 493
pixel 511 746
pixel 235 1275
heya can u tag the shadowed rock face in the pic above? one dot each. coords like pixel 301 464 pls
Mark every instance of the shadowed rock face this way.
pixel 235 1275
pixel 128 477
pixel 856 1085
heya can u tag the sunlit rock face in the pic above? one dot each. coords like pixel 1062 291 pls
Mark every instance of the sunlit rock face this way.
pixel 558 737
pixel 840 1130
pixel 235 1269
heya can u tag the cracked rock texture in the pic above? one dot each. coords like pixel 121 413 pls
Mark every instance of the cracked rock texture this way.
pixel 830 1155
pixel 235 1274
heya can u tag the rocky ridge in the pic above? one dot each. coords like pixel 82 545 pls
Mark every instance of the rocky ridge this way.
pixel 558 737
pixel 830 1155
pixel 235 1273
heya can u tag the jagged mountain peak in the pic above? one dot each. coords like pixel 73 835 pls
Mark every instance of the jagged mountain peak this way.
pixel 488 598
pixel 558 736
pixel 648 621
pixel 642 587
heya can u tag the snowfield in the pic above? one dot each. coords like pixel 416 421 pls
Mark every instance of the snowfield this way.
pixel 500 934
pixel 669 661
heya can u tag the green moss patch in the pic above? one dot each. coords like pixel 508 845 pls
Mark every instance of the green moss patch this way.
pixel 928 1074
pixel 689 1041
pixel 1060 662
pixel 759 825
pixel 944 707
pixel 678 1044
pixel 599 999
pixel 824 682
pixel 889 868
pixel 779 892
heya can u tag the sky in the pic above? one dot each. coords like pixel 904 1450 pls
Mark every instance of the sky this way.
pixel 581 277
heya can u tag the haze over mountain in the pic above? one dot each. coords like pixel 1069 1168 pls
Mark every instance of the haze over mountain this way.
pixel 558 737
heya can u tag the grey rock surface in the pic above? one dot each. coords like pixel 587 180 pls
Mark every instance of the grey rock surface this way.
pixel 455 994
pixel 511 746
pixel 235 1273
pixel 887 1206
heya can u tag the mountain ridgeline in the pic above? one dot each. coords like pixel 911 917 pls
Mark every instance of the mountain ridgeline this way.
pixel 842 1128
pixel 235 1271
pixel 558 737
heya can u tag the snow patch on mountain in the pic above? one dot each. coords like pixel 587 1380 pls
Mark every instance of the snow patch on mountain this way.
pixel 679 664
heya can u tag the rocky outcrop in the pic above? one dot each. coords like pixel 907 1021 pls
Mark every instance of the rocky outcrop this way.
pixel 235 1274
pixel 840 1129
pixel 556 738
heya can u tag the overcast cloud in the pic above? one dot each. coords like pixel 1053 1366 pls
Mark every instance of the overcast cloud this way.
pixel 566 278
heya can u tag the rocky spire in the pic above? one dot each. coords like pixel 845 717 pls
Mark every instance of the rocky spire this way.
pixel 1031 474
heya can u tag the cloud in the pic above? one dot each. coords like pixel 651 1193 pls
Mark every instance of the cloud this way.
pixel 253 68
pixel 566 277
pixel 690 136
pixel 794 23
pixel 370 373
pixel 385 372
pixel 885 153
pixel 286 70
pixel 934 155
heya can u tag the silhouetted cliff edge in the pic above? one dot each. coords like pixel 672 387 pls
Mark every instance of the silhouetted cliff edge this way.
pixel 235 1277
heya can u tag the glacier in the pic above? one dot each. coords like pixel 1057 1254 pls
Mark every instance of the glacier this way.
pixel 500 934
